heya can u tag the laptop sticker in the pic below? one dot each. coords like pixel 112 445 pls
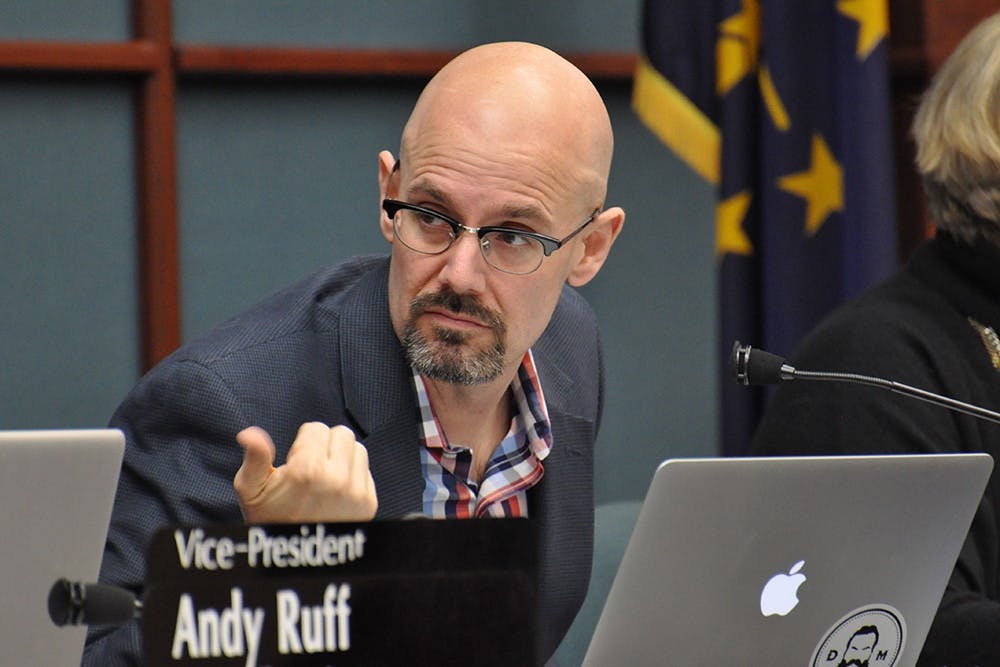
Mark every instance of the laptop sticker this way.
pixel 869 636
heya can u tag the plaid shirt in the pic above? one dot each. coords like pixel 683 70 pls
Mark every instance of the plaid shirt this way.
pixel 516 464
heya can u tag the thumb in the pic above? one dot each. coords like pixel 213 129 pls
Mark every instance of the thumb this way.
pixel 258 461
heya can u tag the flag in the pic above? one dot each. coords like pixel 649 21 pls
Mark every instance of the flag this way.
pixel 784 106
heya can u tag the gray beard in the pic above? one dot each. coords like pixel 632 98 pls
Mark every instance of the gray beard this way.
pixel 441 356
pixel 441 359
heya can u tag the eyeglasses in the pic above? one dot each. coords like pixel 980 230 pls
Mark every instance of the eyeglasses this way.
pixel 507 249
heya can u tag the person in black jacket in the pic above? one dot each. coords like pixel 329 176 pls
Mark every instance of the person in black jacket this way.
pixel 460 376
pixel 933 325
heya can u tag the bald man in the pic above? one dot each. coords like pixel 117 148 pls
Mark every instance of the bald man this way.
pixel 459 377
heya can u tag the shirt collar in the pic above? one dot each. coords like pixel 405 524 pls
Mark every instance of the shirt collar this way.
pixel 528 398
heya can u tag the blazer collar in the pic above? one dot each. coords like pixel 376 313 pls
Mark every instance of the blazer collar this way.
pixel 374 372
pixel 377 387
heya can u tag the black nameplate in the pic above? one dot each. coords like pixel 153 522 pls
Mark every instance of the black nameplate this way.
pixel 383 593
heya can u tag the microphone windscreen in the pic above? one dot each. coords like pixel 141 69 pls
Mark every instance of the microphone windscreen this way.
pixel 763 367
pixel 75 603
pixel 61 603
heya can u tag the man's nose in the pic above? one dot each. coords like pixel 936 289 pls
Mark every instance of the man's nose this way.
pixel 465 267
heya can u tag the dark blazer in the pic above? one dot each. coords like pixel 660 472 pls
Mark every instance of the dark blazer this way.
pixel 324 350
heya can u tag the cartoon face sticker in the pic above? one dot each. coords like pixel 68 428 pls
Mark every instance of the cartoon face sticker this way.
pixel 870 636
pixel 860 647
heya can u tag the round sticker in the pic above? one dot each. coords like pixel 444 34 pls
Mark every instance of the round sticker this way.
pixel 869 636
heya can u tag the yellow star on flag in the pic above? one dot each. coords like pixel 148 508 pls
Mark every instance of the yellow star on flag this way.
pixel 822 185
pixel 738 45
pixel 873 22
pixel 729 234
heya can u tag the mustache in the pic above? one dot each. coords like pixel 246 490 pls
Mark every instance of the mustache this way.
pixel 460 304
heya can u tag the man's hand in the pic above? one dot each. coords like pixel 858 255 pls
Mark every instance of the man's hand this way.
pixel 325 477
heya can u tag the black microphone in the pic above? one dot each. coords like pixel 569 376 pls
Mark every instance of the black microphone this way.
pixel 754 367
pixel 77 603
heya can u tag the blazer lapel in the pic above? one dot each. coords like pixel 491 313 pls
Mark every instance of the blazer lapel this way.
pixel 379 396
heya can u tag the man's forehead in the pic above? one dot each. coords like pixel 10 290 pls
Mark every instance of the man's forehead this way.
pixel 516 175
pixel 518 98
pixel 500 203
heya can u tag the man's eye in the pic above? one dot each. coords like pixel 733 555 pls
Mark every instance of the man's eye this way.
pixel 431 221
pixel 512 239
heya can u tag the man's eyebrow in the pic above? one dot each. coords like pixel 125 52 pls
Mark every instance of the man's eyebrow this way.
pixel 524 212
pixel 512 211
pixel 430 191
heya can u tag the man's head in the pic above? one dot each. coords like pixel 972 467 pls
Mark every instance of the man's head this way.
pixel 506 135
pixel 860 647
pixel 957 131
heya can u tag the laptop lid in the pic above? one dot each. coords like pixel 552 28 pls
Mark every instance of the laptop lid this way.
pixel 56 490
pixel 789 561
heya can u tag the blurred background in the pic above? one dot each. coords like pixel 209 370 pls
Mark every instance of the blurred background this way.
pixel 164 165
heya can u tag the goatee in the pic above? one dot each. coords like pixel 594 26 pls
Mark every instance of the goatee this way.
pixel 443 356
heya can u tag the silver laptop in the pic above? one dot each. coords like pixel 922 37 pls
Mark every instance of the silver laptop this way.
pixel 56 491
pixel 810 561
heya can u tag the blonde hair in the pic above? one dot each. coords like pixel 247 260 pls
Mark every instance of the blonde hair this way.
pixel 957 131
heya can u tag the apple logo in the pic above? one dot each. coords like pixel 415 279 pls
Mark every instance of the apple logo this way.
pixel 779 595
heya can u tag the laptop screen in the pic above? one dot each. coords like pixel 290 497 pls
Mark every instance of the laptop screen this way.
pixel 797 561
pixel 57 489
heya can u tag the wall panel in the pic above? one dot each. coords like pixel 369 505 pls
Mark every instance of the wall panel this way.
pixel 68 335
pixel 409 24
pixel 276 181
pixel 66 20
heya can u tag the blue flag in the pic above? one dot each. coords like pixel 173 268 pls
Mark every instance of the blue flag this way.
pixel 784 106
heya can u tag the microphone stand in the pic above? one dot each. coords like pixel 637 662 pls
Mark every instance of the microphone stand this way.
pixel 760 367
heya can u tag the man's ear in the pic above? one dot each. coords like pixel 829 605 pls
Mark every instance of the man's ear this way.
pixel 597 241
pixel 386 189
